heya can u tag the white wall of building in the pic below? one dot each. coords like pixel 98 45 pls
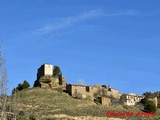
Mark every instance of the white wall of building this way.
pixel 48 69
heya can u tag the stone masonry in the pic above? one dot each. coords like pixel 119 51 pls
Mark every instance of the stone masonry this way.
pixel 45 78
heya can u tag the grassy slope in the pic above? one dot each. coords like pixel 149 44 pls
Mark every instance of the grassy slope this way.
pixel 43 103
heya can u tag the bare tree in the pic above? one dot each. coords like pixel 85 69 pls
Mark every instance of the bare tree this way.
pixel 14 103
pixel 3 85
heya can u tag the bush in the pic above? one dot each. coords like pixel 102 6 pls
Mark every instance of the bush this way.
pixel 150 107
pixel 21 113
pixel 144 101
pixel 21 86
pixel 21 116
pixel 32 117
pixel 56 71
pixel 60 79
pixel 25 85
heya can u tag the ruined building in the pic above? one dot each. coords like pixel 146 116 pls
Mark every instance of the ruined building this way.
pixel 46 79
pixel 131 99
pixel 92 92
pixel 103 94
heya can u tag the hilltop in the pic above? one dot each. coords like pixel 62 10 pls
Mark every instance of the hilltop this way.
pixel 53 104
pixel 52 98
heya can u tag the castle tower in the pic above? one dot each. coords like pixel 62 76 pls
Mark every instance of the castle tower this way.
pixel 45 70
pixel 45 77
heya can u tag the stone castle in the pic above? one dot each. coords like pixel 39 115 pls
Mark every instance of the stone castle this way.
pixel 46 79
pixel 103 94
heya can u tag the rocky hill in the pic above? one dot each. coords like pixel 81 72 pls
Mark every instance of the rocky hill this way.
pixel 47 104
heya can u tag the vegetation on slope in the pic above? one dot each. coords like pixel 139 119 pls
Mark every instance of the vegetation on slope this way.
pixel 44 103
pixel 20 86
pixel 148 105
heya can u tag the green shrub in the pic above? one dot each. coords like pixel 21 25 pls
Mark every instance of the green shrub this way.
pixel 144 101
pixel 21 86
pixel 21 113
pixel 60 79
pixel 21 116
pixel 150 107
pixel 32 117
pixel 25 85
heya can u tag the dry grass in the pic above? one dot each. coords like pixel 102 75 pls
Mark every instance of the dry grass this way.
pixel 43 103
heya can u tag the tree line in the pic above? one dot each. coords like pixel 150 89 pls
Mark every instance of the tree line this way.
pixel 20 86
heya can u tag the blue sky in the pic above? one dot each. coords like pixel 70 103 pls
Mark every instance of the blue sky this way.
pixel 112 42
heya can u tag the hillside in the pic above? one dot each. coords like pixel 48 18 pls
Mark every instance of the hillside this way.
pixel 53 104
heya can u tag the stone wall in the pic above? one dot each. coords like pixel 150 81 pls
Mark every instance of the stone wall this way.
pixel 76 90
pixel 46 79
pixel 45 69
pixel 49 82
pixel 104 101
pixel 48 69
pixel 92 92
pixel 63 81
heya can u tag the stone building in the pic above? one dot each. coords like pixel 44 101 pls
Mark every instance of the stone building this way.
pixel 130 99
pixel 46 79
pixel 112 93
pixel 78 91
pixel 92 92
pixel 45 70
pixel 82 91
pixel 104 101
pixel 64 81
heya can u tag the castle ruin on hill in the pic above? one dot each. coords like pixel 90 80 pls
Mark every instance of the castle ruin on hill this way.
pixel 46 79
pixel 104 94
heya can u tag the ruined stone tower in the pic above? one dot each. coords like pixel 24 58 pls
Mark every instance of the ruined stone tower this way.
pixel 45 70
pixel 46 79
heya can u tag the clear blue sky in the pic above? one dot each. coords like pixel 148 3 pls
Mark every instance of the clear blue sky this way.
pixel 112 42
